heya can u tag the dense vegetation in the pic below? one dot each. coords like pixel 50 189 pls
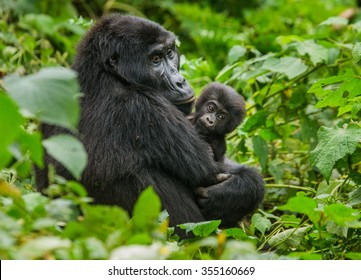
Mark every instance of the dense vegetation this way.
pixel 299 71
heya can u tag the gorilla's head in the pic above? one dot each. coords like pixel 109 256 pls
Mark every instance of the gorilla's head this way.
pixel 137 52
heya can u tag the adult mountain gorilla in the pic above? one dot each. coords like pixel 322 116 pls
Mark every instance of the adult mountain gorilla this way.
pixel 135 133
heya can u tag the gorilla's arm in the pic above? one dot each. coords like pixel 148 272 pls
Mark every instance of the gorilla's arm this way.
pixel 235 197
pixel 177 147
pixel 156 136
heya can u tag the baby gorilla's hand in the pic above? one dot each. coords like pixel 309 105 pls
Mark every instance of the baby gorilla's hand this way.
pixel 202 192
pixel 223 177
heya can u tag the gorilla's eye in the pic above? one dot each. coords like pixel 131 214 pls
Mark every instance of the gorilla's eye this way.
pixel 221 117
pixel 156 59
pixel 169 52
pixel 210 108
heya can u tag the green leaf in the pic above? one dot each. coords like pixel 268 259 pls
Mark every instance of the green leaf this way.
pixel 316 52
pixel 62 210
pixel 260 149
pixel 31 142
pixel 355 196
pixel 236 233
pixel 353 255
pixel 338 91
pixel 34 200
pixel 340 21
pixel 99 221
pixel 235 53
pixel 333 228
pixel 146 210
pixel 155 251
pixel 69 151
pixel 51 95
pixel 255 121
pixel 289 66
pixel 261 223
pixel 202 229
pixel 356 52
pixel 343 215
pixel 304 205
pixel 289 239
pixel 333 144
pixel 93 249
pixel 38 247
pixel 10 122
pixel 306 255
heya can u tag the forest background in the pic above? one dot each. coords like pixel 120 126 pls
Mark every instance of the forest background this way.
pixel 296 62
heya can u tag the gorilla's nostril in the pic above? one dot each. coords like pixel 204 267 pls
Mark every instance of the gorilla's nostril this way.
pixel 179 84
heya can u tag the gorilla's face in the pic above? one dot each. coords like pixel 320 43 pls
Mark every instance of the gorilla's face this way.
pixel 140 52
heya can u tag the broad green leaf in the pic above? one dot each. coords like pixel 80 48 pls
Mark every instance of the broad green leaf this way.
pixel 239 250
pixel 10 225
pixel 356 52
pixel 289 239
pixel 235 53
pixel 316 52
pixel 226 72
pixel 340 21
pixel 333 228
pixel 338 91
pixel 10 122
pixel 34 200
pixel 343 215
pixel 236 233
pixel 306 256
pixel 146 210
pixel 353 255
pixel 261 223
pixel 333 144
pixel 289 66
pixel 62 210
pixel 6 241
pixel 155 251
pixel 99 221
pixel 255 121
pixel 143 238
pixel 69 151
pixel 303 205
pixel 51 95
pixel 355 197
pixel 93 249
pixel 40 246
pixel 31 142
pixel 202 229
pixel 260 149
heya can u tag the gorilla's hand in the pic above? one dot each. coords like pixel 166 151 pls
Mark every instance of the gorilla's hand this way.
pixel 234 198
pixel 203 192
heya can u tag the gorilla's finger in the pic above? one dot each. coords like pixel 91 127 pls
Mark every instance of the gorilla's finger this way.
pixel 223 177
pixel 201 192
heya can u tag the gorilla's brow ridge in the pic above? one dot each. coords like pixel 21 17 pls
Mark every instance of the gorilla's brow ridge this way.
pixel 160 47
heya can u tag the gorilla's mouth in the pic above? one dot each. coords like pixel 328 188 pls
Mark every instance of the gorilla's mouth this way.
pixel 186 101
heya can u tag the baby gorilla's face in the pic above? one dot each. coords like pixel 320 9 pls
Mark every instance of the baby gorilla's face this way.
pixel 212 118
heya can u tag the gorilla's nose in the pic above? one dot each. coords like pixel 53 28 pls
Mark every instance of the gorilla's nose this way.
pixel 181 82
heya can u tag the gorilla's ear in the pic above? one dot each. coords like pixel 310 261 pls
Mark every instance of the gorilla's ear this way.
pixel 113 61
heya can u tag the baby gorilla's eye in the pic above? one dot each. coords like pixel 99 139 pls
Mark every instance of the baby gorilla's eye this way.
pixel 221 117
pixel 156 59
pixel 210 108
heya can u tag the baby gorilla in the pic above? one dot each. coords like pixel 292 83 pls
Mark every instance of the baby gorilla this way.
pixel 218 111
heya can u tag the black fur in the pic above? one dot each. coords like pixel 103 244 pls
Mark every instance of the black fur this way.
pixel 133 133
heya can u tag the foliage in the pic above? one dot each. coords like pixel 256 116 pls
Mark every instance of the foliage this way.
pixel 299 71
